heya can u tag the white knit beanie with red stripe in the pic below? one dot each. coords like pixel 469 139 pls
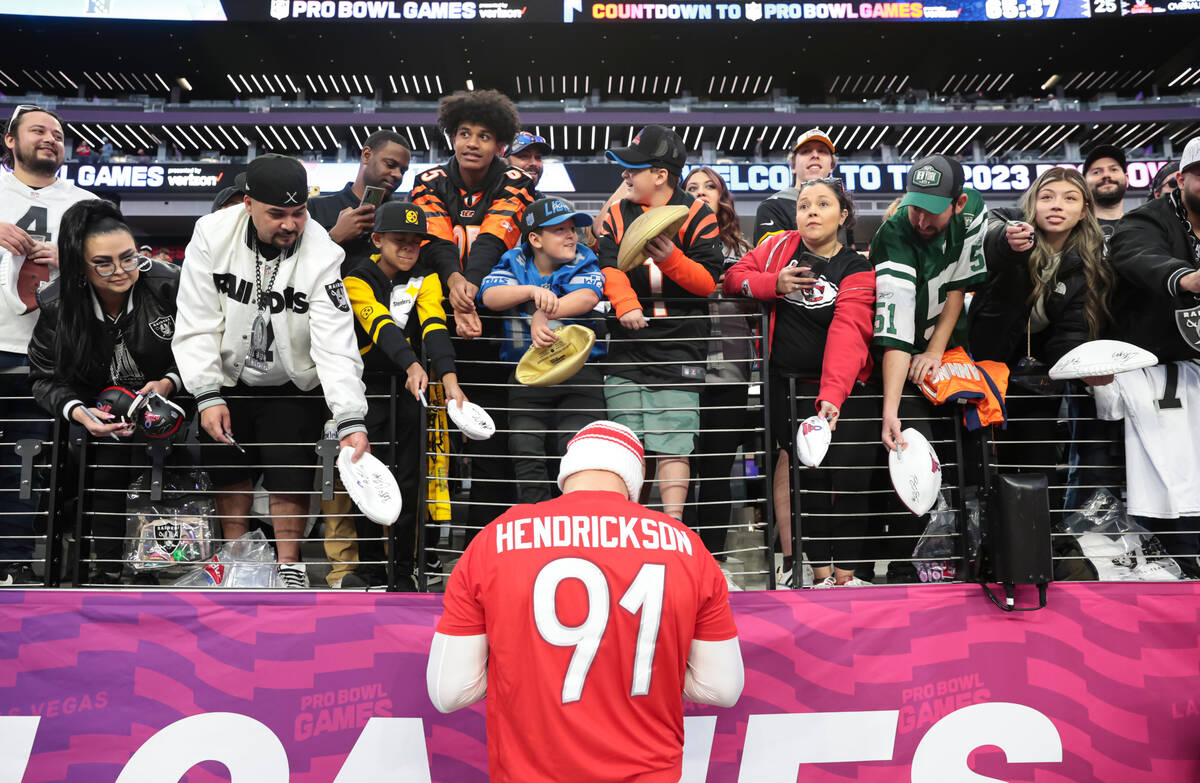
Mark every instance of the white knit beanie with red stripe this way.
pixel 606 445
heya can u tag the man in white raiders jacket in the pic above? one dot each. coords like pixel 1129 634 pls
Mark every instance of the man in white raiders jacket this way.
pixel 263 320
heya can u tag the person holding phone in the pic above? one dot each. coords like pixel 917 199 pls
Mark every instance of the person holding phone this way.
pixel 107 320
pixel 822 298
pixel 349 214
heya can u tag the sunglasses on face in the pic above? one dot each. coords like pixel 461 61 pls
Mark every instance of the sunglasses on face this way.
pixel 109 268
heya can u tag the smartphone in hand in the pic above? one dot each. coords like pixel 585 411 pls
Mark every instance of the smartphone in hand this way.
pixel 816 264
pixel 373 196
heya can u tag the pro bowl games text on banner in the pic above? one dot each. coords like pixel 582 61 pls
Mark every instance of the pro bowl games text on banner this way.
pixel 886 685
pixel 583 11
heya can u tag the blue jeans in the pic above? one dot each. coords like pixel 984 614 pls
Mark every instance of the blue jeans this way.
pixel 1092 465
pixel 21 418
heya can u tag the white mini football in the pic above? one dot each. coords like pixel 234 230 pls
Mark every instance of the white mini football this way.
pixel 916 472
pixel 812 441
pixel 471 420
pixel 1101 357
pixel 371 486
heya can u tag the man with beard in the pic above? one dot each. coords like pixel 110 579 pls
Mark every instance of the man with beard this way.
pixel 263 321
pixel 1156 251
pixel 1104 173
pixel 32 201
pixel 525 153
pixel 1164 182
pixel 385 158
pixel 925 257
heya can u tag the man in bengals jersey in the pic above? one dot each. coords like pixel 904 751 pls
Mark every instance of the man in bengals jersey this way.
pixel 474 204
pixel 585 619
pixel 659 355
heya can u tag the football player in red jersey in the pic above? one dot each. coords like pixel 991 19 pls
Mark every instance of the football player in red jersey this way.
pixel 586 618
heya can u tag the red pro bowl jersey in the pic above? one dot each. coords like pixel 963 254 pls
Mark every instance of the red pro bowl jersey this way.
pixel 590 604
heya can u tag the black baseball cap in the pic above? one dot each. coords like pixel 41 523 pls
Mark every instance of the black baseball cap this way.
pixel 1105 151
pixel 400 217
pixel 238 188
pixel 934 182
pixel 551 211
pixel 653 146
pixel 525 140
pixel 277 180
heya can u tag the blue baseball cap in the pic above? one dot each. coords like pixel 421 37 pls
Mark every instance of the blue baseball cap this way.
pixel 551 211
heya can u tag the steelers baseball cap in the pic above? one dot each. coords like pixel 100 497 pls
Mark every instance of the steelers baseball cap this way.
pixel 277 180
pixel 816 134
pixel 400 217
pixel 653 147
pixel 551 211
pixel 934 183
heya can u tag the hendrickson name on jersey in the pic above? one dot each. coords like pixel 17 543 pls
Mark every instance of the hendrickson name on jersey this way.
pixel 593 532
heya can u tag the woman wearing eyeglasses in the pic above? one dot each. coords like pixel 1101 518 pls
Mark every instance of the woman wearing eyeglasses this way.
pixel 106 321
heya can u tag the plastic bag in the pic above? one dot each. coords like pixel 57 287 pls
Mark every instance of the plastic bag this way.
pixel 934 556
pixel 178 529
pixel 247 561
pixel 1120 548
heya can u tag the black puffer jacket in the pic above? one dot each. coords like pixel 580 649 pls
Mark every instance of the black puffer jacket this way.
pixel 1000 310
pixel 1152 249
pixel 147 329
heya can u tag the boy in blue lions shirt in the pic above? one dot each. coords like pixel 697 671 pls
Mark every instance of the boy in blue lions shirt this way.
pixel 546 281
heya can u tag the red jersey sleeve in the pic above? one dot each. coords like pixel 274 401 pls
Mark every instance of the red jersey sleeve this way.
pixel 462 607
pixel 714 618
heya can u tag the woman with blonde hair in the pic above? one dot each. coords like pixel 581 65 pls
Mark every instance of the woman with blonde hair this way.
pixel 1049 289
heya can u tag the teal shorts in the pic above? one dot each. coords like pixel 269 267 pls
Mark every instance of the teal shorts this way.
pixel 667 420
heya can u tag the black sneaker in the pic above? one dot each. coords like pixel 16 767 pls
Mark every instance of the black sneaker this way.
pixel 405 584
pixel 351 581
pixel 144 578
pixel 18 575
pixel 105 578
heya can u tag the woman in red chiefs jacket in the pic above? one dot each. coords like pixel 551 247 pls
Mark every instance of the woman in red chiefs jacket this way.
pixel 822 296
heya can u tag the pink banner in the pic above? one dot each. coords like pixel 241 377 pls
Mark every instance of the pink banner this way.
pixel 871 684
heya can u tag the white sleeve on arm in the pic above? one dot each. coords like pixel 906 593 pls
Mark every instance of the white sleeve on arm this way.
pixel 199 325
pixel 714 673
pixel 456 676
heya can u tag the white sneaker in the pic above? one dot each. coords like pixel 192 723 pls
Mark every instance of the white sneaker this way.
pixel 854 581
pixel 825 583
pixel 783 579
pixel 293 576
pixel 729 581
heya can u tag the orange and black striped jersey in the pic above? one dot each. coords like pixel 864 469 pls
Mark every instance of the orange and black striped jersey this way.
pixel 472 227
pixel 672 295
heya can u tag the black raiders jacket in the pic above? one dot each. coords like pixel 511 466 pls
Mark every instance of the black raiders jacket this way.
pixel 1152 248
pixel 147 326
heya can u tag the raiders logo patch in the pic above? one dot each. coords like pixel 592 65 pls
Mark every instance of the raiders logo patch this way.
pixel 337 295
pixel 163 328
pixel 1187 321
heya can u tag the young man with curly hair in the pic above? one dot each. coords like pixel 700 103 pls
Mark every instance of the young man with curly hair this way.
pixel 474 204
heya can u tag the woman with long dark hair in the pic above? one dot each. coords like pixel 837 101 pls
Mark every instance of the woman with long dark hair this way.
pixel 106 321
pixel 1049 289
pixel 724 419
pixel 821 295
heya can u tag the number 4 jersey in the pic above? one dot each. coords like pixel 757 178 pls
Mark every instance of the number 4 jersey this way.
pixel 37 212
pixel 590 604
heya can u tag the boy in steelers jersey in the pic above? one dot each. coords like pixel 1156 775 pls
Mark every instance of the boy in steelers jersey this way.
pixel 397 307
